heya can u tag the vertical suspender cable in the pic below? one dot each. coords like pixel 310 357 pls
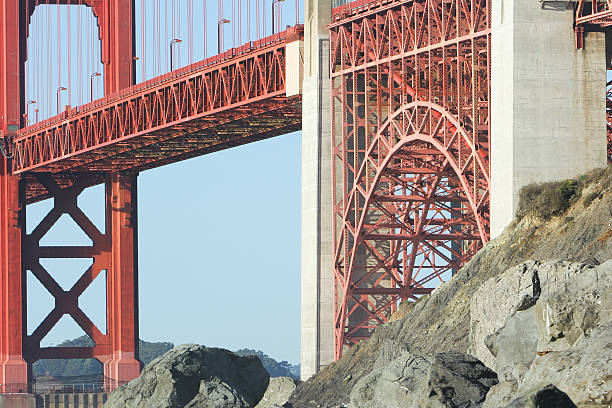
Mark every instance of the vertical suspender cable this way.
pixel 204 26
pixel 48 30
pixel 28 73
pixel 69 56
pixel 248 20
pixel 190 22
pixel 143 52
pixel 178 31
pixel 59 49
pixel 80 56
pixel 257 24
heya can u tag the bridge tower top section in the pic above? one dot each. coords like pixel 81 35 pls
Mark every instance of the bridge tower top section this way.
pixel 116 30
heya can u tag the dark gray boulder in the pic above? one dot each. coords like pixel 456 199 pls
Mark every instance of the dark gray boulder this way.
pixel 195 376
pixel 542 396
pixel 450 379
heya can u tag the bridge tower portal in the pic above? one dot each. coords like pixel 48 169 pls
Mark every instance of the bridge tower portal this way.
pixel 113 250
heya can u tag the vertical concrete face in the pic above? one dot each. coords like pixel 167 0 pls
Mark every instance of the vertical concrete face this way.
pixel 317 348
pixel 548 119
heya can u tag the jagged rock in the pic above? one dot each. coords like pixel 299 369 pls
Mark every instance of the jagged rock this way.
pixel 573 309
pixel 542 396
pixel 278 392
pixel 449 379
pixel 499 297
pixel 501 394
pixel 195 376
pixel 514 345
pixel 583 371
pixel 441 321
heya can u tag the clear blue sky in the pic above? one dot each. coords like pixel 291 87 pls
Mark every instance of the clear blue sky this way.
pixel 219 241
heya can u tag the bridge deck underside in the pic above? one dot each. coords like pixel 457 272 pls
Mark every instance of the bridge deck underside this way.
pixel 181 141
pixel 229 100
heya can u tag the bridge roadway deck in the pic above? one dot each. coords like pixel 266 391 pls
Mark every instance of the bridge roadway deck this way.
pixel 224 101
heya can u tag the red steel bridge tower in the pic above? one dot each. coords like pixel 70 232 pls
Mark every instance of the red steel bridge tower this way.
pixel 411 146
pixel 113 250
pixel 237 97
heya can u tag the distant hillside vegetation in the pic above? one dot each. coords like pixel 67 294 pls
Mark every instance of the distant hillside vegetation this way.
pixel 148 352
pixel 90 366
pixel 275 369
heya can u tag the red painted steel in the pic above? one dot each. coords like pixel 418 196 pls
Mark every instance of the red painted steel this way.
pixel 234 98
pixel 115 23
pixel 410 112
pixel 593 15
pixel 114 251
pixel 231 99
pixel 13 369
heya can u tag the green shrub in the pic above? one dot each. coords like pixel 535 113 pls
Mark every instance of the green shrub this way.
pixel 547 199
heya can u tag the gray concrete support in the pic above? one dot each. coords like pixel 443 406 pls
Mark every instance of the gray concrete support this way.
pixel 317 335
pixel 548 101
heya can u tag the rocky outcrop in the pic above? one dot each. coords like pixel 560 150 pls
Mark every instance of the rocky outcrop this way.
pixel 195 376
pixel 278 392
pixel 542 396
pixel 442 321
pixel 448 379
pixel 562 339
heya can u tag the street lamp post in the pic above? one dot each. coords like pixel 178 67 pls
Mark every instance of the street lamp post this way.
pixel 91 78
pixel 30 102
pixel 174 41
pixel 219 45
pixel 273 7
pixel 60 89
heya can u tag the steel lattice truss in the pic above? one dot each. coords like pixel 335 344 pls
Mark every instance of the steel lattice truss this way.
pixel 592 15
pixel 230 99
pixel 410 112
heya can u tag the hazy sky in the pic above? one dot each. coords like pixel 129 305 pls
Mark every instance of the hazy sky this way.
pixel 219 235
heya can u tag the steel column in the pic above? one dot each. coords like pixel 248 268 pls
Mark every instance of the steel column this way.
pixel 117 34
pixel 122 288
pixel 13 368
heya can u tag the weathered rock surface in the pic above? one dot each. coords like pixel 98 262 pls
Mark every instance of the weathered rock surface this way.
pixel 195 376
pixel 497 299
pixel 449 379
pixel 542 396
pixel 570 327
pixel 278 392
pixel 584 371
pixel 441 321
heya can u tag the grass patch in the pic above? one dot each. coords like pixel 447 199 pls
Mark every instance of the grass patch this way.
pixel 548 199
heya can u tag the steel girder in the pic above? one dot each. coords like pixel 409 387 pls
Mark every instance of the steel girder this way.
pixel 230 99
pixel 410 142
pixel 593 15
pixel 113 250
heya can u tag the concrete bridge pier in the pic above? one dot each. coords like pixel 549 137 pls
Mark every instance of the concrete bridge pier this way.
pixel 317 342
pixel 548 101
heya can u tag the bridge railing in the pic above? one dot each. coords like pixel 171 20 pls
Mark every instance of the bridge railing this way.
pixel 289 34
pixel 251 73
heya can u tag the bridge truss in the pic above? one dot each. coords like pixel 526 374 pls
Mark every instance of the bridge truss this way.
pixel 410 113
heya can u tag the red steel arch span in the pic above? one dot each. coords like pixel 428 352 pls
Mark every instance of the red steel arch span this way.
pixel 410 113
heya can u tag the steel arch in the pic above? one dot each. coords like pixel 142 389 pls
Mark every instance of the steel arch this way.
pixel 425 144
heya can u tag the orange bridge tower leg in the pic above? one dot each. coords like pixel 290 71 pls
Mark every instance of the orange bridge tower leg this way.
pixel 13 368
pixel 122 283
pixel 114 251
